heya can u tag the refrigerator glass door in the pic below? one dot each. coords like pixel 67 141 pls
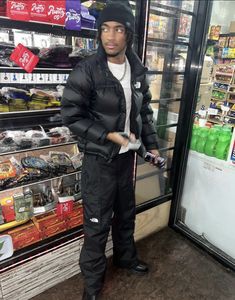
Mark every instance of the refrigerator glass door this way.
pixel 167 46
pixel 207 206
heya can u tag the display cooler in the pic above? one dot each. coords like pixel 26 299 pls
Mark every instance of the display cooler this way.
pixel 40 196
pixel 203 205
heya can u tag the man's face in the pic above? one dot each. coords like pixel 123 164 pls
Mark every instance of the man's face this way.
pixel 113 38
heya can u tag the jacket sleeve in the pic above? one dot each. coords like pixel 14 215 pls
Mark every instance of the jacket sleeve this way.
pixel 75 107
pixel 148 135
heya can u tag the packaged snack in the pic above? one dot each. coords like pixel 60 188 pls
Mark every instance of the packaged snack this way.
pixel 18 10
pixel 8 212
pixel 24 58
pixel 73 15
pixel 38 11
pixel 7 170
pixel 23 204
pixel 57 12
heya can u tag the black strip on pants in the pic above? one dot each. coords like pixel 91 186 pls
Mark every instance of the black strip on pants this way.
pixel 107 191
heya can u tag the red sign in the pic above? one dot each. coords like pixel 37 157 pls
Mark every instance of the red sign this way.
pixel 24 58
pixel 57 12
pixel 39 11
pixel 18 10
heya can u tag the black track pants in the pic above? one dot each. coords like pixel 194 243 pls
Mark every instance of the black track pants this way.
pixel 108 199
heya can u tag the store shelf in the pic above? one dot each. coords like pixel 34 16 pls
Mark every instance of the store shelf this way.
pixel 28 112
pixel 39 181
pixel 224 74
pixel 155 41
pixel 171 8
pixel 216 99
pixel 219 122
pixel 36 70
pixel 227 34
pixel 165 100
pixel 230 101
pixel 150 72
pixel 5 22
pixel 31 84
pixel 167 125
pixel 41 247
pixel 163 13
pixel 220 90
pixel 37 148
pixel 223 82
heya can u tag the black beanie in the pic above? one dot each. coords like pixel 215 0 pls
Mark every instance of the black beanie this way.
pixel 117 12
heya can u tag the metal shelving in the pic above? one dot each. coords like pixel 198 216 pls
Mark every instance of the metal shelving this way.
pixel 5 22
pixel 38 148
pixel 38 181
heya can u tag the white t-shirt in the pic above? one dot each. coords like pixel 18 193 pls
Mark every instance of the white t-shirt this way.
pixel 118 71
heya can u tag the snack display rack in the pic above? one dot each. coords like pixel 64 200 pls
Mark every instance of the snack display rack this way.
pixel 222 99
pixel 43 140
pixel 41 192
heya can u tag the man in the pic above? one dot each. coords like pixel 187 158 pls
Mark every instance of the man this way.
pixel 107 95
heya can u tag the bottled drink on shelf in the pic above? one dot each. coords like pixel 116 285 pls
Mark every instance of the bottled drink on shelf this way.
pixel 202 137
pixel 222 145
pixel 194 138
pixel 213 135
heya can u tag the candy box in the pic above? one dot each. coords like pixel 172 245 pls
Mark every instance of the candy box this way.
pixel 56 12
pixel 8 211
pixel 39 11
pixel 18 10
pixel 54 229
pixel 44 221
pixel 23 236
pixel 74 222
pixel 24 58
pixel 73 15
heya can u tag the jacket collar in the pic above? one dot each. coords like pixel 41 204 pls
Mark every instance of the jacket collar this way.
pixel 137 68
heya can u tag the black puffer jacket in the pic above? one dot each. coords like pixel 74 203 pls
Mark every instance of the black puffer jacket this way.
pixel 93 105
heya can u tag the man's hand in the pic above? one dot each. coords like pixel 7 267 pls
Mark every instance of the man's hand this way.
pixel 154 152
pixel 117 138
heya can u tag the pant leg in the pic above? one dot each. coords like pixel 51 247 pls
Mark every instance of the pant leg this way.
pixel 123 225
pixel 98 191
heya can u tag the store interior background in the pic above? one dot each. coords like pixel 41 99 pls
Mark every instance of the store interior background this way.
pixel 223 14
pixel 204 213
pixel 207 205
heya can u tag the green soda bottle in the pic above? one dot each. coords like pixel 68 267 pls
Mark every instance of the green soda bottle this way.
pixel 211 141
pixel 194 137
pixel 201 141
pixel 222 145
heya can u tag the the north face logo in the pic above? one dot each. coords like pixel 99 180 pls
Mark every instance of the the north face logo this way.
pixel 94 220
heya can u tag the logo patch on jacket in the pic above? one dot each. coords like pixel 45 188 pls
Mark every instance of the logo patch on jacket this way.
pixel 137 85
pixel 94 220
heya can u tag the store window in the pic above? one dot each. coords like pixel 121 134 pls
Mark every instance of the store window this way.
pixel 207 204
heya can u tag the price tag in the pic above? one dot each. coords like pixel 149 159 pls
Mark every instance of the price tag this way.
pixel 212 111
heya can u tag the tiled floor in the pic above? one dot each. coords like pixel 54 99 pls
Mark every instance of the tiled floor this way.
pixel 178 271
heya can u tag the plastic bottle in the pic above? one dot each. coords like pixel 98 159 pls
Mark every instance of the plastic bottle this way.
pixel 194 137
pixel 222 145
pixel 211 141
pixel 202 137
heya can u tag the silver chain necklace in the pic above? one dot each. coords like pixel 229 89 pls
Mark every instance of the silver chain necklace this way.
pixel 124 73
